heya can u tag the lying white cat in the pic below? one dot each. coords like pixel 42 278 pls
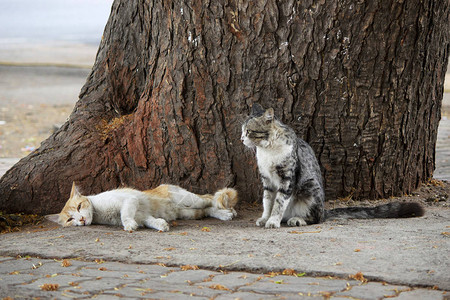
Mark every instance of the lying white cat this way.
pixel 152 208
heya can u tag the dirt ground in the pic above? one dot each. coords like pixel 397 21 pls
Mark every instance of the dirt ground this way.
pixel 34 100
pixel 24 126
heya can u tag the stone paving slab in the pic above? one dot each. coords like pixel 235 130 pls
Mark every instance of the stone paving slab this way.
pixel 407 252
pixel 28 277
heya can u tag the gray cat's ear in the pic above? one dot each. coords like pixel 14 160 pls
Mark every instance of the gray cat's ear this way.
pixel 257 110
pixel 269 114
pixel 74 192
pixel 53 218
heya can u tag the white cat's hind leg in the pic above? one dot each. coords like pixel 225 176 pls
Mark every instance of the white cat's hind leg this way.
pixel 182 198
pixel 221 214
pixel 158 224
pixel 296 221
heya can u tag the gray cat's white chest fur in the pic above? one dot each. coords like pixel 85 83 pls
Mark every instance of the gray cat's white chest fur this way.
pixel 269 158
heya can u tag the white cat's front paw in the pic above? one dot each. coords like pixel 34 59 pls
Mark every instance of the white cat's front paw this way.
pixel 273 223
pixel 296 221
pixel 161 225
pixel 130 225
pixel 261 221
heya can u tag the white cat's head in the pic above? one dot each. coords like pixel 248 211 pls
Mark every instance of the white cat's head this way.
pixel 78 210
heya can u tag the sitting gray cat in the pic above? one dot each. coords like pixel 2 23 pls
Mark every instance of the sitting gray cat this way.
pixel 292 181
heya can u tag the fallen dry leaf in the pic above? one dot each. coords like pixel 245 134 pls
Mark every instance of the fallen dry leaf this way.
pixel 290 272
pixel 178 233
pixel 189 267
pixel 445 233
pixel 279 281
pixel 272 274
pixel 435 182
pixel 357 250
pixel 49 287
pixel 66 263
pixel 206 229
pixel 102 269
pixel 34 267
pixel 358 276
pixel 326 295
pixel 219 287
pixel 169 249
pixel 209 278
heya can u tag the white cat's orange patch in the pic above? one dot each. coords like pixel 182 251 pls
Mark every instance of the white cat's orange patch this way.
pixel 161 191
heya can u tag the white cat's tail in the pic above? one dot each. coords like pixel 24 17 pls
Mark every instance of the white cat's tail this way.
pixel 225 198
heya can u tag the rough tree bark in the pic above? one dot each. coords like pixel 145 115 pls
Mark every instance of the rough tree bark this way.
pixel 362 81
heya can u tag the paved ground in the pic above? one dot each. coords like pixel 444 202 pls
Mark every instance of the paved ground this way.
pixel 405 258
pixel 61 279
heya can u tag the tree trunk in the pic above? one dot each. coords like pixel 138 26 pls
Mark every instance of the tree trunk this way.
pixel 362 81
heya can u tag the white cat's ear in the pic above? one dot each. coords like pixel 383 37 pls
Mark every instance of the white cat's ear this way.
pixel 53 218
pixel 74 192
pixel 269 114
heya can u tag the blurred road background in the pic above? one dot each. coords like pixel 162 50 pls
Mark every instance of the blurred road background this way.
pixel 47 49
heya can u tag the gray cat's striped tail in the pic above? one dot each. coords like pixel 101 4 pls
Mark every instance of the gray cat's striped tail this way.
pixel 390 210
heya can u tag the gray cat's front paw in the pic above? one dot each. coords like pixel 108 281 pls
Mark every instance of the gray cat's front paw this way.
pixel 261 221
pixel 296 221
pixel 130 225
pixel 272 223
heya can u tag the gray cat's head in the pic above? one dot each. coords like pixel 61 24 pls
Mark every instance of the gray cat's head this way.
pixel 258 127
